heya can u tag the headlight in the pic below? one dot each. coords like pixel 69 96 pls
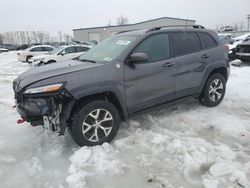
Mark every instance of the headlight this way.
pixel 44 89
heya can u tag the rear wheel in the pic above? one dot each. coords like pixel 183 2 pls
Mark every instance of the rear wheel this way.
pixel 28 58
pixel 95 123
pixel 214 90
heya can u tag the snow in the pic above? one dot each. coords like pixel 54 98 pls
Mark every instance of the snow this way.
pixel 242 37
pixel 179 145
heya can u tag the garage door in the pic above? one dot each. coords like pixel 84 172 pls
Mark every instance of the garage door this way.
pixel 95 36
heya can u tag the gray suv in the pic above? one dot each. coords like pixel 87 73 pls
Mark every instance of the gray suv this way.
pixel 125 74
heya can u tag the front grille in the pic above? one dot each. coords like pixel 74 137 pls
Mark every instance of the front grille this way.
pixel 243 49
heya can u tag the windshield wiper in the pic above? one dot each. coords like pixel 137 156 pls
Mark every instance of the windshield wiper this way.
pixel 87 60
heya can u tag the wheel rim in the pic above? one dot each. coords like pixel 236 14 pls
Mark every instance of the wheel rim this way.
pixel 97 125
pixel 216 90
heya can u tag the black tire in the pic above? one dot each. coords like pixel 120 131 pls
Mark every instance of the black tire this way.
pixel 210 97
pixel 28 58
pixel 83 114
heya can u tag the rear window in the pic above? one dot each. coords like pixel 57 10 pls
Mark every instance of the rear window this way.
pixel 81 49
pixel 186 43
pixel 207 41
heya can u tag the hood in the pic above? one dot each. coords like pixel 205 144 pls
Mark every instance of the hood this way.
pixel 245 43
pixel 52 70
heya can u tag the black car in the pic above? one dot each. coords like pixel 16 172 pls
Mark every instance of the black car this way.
pixel 242 51
pixel 121 76
pixel 9 46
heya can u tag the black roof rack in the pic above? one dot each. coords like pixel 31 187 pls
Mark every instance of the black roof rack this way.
pixel 169 26
pixel 120 32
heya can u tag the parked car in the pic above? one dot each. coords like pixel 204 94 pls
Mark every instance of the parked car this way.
pixel 241 39
pixel 226 38
pixel 3 50
pixel 243 51
pixel 121 76
pixel 23 47
pixel 25 55
pixel 9 46
pixel 62 53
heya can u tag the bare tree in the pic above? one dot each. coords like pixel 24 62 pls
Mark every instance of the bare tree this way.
pixel 109 23
pixel 67 38
pixel 47 37
pixel 34 37
pixel 40 36
pixel 122 20
pixel 60 35
pixel 242 26
pixel 236 26
pixel 1 39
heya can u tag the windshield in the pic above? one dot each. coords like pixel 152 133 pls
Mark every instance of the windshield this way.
pixel 109 49
pixel 57 50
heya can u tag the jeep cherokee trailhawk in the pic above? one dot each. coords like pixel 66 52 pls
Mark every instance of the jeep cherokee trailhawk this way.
pixel 122 75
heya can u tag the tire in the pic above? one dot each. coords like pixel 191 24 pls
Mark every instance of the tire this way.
pixel 28 58
pixel 214 90
pixel 88 122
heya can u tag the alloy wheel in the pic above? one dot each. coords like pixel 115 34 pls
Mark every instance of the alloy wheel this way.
pixel 216 90
pixel 97 125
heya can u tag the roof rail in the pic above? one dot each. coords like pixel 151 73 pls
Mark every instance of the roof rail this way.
pixel 169 26
pixel 120 32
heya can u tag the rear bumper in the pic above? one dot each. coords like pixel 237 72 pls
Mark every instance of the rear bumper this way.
pixel 21 58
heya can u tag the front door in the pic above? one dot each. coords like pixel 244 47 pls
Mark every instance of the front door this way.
pixel 152 82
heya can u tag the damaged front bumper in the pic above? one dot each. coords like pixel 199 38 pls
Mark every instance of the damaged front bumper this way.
pixel 51 111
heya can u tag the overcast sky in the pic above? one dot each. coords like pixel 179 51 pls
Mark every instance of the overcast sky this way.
pixel 55 15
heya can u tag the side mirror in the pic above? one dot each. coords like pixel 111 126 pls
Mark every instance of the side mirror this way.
pixel 63 53
pixel 138 57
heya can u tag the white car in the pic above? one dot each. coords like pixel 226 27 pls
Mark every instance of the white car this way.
pixel 241 39
pixel 3 50
pixel 61 53
pixel 33 51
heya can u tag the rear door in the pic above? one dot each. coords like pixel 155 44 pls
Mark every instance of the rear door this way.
pixel 187 49
pixel 210 54
pixel 37 51
pixel 152 82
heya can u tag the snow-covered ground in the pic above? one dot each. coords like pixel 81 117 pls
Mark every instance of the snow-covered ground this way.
pixel 182 145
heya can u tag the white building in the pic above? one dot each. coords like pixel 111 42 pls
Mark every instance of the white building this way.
pixel 101 33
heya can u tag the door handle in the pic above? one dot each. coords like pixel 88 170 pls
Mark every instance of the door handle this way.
pixel 205 56
pixel 170 64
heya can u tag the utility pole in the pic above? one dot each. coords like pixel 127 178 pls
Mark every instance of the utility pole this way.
pixel 248 22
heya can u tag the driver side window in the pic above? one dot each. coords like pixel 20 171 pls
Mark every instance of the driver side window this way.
pixel 155 46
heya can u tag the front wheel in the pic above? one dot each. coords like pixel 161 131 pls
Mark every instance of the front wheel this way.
pixel 214 90
pixel 95 123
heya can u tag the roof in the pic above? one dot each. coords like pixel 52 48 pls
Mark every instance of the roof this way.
pixel 143 31
pixel 112 26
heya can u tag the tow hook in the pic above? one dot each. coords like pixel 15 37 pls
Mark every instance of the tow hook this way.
pixel 20 121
